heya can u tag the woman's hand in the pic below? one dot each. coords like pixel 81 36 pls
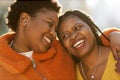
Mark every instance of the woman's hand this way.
pixel 114 38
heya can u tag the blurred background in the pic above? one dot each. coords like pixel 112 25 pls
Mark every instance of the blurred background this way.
pixel 105 13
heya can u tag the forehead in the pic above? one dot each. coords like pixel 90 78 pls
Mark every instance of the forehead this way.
pixel 71 18
pixel 69 22
pixel 45 13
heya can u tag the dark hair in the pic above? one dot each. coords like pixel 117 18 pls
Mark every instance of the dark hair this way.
pixel 87 20
pixel 30 7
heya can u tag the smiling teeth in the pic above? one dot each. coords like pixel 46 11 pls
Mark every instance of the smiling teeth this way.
pixel 47 39
pixel 79 42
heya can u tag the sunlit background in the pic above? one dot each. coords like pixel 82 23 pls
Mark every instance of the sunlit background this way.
pixel 105 13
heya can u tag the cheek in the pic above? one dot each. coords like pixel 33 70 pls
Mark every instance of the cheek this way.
pixel 33 35
pixel 70 49
pixel 91 37
pixel 39 26
pixel 87 33
pixel 67 46
pixel 38 30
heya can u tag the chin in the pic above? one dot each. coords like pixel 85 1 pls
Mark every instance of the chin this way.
pixel 43 50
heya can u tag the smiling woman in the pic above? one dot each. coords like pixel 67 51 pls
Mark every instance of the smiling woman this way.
pixel 31 51
pixel 79 36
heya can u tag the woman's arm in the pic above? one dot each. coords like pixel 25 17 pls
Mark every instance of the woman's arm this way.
pixel 113 34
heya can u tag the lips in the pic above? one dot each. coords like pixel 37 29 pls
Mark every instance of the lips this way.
pixel 78 43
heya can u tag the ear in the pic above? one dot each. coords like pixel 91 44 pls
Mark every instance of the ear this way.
pixel 24 19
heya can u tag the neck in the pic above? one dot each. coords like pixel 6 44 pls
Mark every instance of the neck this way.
pixel 90 60
pixel 89 64
pixel 18 44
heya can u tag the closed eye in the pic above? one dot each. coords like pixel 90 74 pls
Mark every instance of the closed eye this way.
pixel 50 24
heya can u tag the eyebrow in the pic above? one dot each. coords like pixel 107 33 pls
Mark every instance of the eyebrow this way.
pixel 78 24
pixel 61 33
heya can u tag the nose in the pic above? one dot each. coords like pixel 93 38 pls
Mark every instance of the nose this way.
pixel 73 35
pixel 53 33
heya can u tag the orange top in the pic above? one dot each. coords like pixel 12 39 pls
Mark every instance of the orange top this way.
pixel 53 65
pixel 107 31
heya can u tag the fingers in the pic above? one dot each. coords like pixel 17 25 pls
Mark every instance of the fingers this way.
pixel 117 58
pixel 115 54
pixel 118 65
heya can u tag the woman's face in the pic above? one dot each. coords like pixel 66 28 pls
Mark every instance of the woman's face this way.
pixel 76 36
pixel 40 30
